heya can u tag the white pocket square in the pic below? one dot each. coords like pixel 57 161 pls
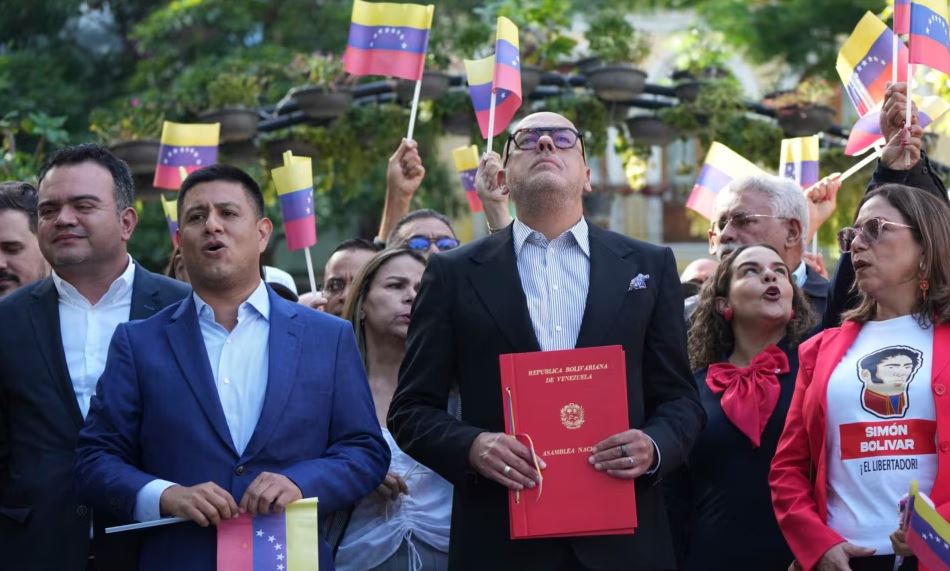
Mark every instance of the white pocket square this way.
pixel 639 282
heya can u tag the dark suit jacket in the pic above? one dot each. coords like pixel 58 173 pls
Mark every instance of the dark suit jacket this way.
pixel 157 414
pixel 470 309
pixel 43 524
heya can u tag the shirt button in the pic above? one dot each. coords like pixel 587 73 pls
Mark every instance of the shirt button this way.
pixel 227 341
pixel 81 510
pixel 227 381
pixel 940 389
pixel 240 470
pixel 557 327
pixel 555 287
pixel 944 446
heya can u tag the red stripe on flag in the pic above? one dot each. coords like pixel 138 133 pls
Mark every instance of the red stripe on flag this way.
pixel 235 548
pixel 504 113
pixel 925 50
pixel 300 233
pixel 474 202
pixel 390 63
pixel 702 200
pixel 507 77
pixel 169 177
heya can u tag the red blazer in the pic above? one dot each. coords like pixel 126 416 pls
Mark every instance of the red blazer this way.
pixel 799 474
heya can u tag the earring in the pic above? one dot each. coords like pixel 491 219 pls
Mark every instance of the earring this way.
pixel 727 314
pixel 792 316
pixel 924 284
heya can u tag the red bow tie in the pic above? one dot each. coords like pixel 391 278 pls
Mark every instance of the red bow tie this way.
pixel 749 394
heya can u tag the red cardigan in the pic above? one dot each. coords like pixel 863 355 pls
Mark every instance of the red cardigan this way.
pixel 799 474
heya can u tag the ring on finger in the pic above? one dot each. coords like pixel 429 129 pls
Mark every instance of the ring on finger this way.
pixel 623 450
pixel 631 461
pixel 506 470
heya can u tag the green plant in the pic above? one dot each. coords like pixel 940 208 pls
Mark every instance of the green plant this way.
pixel 814 90
pixel 701 51
pixel 232 89
pixel 127 119
pixel 542 21
pixel 614 40
pixel 320 70
pixel 17 162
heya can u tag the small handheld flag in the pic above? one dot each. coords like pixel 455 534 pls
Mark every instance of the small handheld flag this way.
pixel 294 183
pixel 865 63
pixel 928 533
pixel 494 82
pixel 287 541
pixel 170 207
pixel 867 130
pixel 185 145
pixel 901 17
pixel 388 38
pixel 929 37
pixel 799 160
pixel 722 166
pixel 466 164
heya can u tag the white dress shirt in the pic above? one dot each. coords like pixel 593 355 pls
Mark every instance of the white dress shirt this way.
pixel 86 330
pixel 238 360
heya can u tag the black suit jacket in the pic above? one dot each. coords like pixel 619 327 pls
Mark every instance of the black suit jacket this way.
pixel 470 309
pixel 43 525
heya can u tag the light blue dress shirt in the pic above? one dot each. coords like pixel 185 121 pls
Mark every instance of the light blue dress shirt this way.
pixel 238 360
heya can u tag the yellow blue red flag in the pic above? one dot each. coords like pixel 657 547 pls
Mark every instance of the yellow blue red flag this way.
pixel 286 541
pixel 388 38
pixel 864 63
pixel 929 36
pixel 185 145
pixel 466 165
pixel 799 160
pixel 722 166
pixel 294 183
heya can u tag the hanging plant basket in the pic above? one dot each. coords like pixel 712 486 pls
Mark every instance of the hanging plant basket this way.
pixel 237 124
pixel 318 102
pixel 530 79
pixel 434 84
pixel 802 120
pixel 651 130
pixel 616 82
pixel 687 91
pixel 141 156
pixel 617 112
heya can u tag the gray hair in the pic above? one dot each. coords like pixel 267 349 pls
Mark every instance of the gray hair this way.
pixel 785 197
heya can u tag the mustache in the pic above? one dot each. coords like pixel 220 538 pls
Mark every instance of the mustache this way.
pixel 5 275
pixel 723 251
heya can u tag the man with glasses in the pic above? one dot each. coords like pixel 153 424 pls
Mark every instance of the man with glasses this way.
pixel 548 281
pixel 344 263
pixel 425 231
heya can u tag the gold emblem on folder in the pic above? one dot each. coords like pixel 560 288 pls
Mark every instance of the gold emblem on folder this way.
pixel 572 416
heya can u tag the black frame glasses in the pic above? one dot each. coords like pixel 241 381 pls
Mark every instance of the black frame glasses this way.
pixel 421 243
pixel 560 142
pixel 871 229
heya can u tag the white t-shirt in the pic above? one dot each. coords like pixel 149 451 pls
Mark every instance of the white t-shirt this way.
pixel 881 429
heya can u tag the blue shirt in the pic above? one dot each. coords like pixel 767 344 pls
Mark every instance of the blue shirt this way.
pixel 239 360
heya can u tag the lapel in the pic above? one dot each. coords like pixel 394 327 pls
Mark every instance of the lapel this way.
pixel 283 353
pixel 144 295
pixel 44 312
pixel 941 353
pixel 610 273
pixel 827 359
pixel 496 282
pixel 184 336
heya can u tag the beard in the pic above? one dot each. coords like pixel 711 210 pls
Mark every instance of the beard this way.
pixel 541 195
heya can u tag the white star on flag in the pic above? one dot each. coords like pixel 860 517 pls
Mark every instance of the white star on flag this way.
pixel 260 533
pixel 280 556
pixel 271 539
pixel 277 546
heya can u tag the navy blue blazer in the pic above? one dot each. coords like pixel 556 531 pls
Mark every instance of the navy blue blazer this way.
pixel 157 414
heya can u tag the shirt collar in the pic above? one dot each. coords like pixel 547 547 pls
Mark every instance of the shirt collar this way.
pixel 119 287
pixel 257 302
pixel 581 233
pixel 800 274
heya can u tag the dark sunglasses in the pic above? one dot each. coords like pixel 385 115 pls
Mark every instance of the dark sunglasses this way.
pixel 529 139
pixel 422 243
pixel 870 230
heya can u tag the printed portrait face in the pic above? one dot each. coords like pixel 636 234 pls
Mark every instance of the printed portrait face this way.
pixel 885 375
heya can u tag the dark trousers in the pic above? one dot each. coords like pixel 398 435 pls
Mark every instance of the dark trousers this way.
pixel 882 563
pixel 571 563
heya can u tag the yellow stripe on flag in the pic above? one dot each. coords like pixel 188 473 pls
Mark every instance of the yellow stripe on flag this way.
pixel 480 71
pixel 934 106
pixel 938 7
pixel 800 149
pixel 858 45
pixel 190 134
pixel 393 14
pixel 466 158
pixel 730 162
pixel 303 540
pixel 506 30
pixel 295 176
pixel 170 207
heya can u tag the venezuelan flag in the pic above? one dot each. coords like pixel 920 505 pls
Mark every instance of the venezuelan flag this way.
pixel 901 16
pixel 928 533
pixel 294 183
pixel 929 37
pixel 864 63
pixel 723 165
pixel 188 145
pixel 799 160
pixel 387 38
pixel 466 164
pixel 501 74
pixel 170 207
pixel 287 541
pixel 507 60
pixel 867 131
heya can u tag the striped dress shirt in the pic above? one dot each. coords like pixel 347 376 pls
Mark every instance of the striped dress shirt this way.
pixel 555 277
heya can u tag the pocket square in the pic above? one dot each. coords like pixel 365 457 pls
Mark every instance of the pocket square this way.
pixel 639 282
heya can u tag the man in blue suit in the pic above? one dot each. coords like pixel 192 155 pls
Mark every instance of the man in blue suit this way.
pixel 233 400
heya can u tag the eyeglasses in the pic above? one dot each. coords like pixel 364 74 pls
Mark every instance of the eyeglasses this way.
pixel 871 231
pixel 422 243
pixel 529 139
pixel 335 285
pixel 740 220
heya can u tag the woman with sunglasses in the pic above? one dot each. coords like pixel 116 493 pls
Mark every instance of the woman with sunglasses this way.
pixel 405 523
pixel 871 409
pixel 742 347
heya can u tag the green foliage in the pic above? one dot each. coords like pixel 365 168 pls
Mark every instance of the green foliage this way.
pixel 614 40
pixel 40 130
pixel 234 90
pixel 135 118
pixel 542 22
pixel 813 90
pixel 700 51
pixel 324 70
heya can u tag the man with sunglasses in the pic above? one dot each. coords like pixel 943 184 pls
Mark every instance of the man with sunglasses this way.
pixel 547 281
pixel 425 231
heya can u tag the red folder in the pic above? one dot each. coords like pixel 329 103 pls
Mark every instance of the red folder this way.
pixel 563 403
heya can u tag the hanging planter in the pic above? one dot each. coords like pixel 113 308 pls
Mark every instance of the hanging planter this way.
pixel 530 79
pixel 617 112
pixel 434 85
pixel 319 102
pixel 141 156
pixel 616 82
pixel 688 90
pixel 651 130
pixel 802 120
pixel 237 124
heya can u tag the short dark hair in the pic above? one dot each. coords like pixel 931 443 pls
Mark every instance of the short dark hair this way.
pixel 21 196
pixel 356 244
pixel 416 215
pixel 122 185
pixel 225 173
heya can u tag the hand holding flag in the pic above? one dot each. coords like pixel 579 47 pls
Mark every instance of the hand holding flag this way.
pixel 286 541
pixel 927 533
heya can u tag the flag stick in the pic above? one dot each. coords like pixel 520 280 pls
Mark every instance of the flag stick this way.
pixel 313 281
pixel 183 173
pixel 895 40
pixel 145 524
pixel 415 108
pixel 864 162
pixel 910 83
pixel 491 120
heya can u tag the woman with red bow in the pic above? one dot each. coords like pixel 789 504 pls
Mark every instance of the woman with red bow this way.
pixel 742 342
pixel 871 410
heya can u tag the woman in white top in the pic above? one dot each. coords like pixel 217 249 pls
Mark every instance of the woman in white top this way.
pixel 871 408
pixel 404 524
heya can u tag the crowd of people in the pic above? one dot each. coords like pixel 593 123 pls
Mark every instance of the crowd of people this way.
pixel 775 421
